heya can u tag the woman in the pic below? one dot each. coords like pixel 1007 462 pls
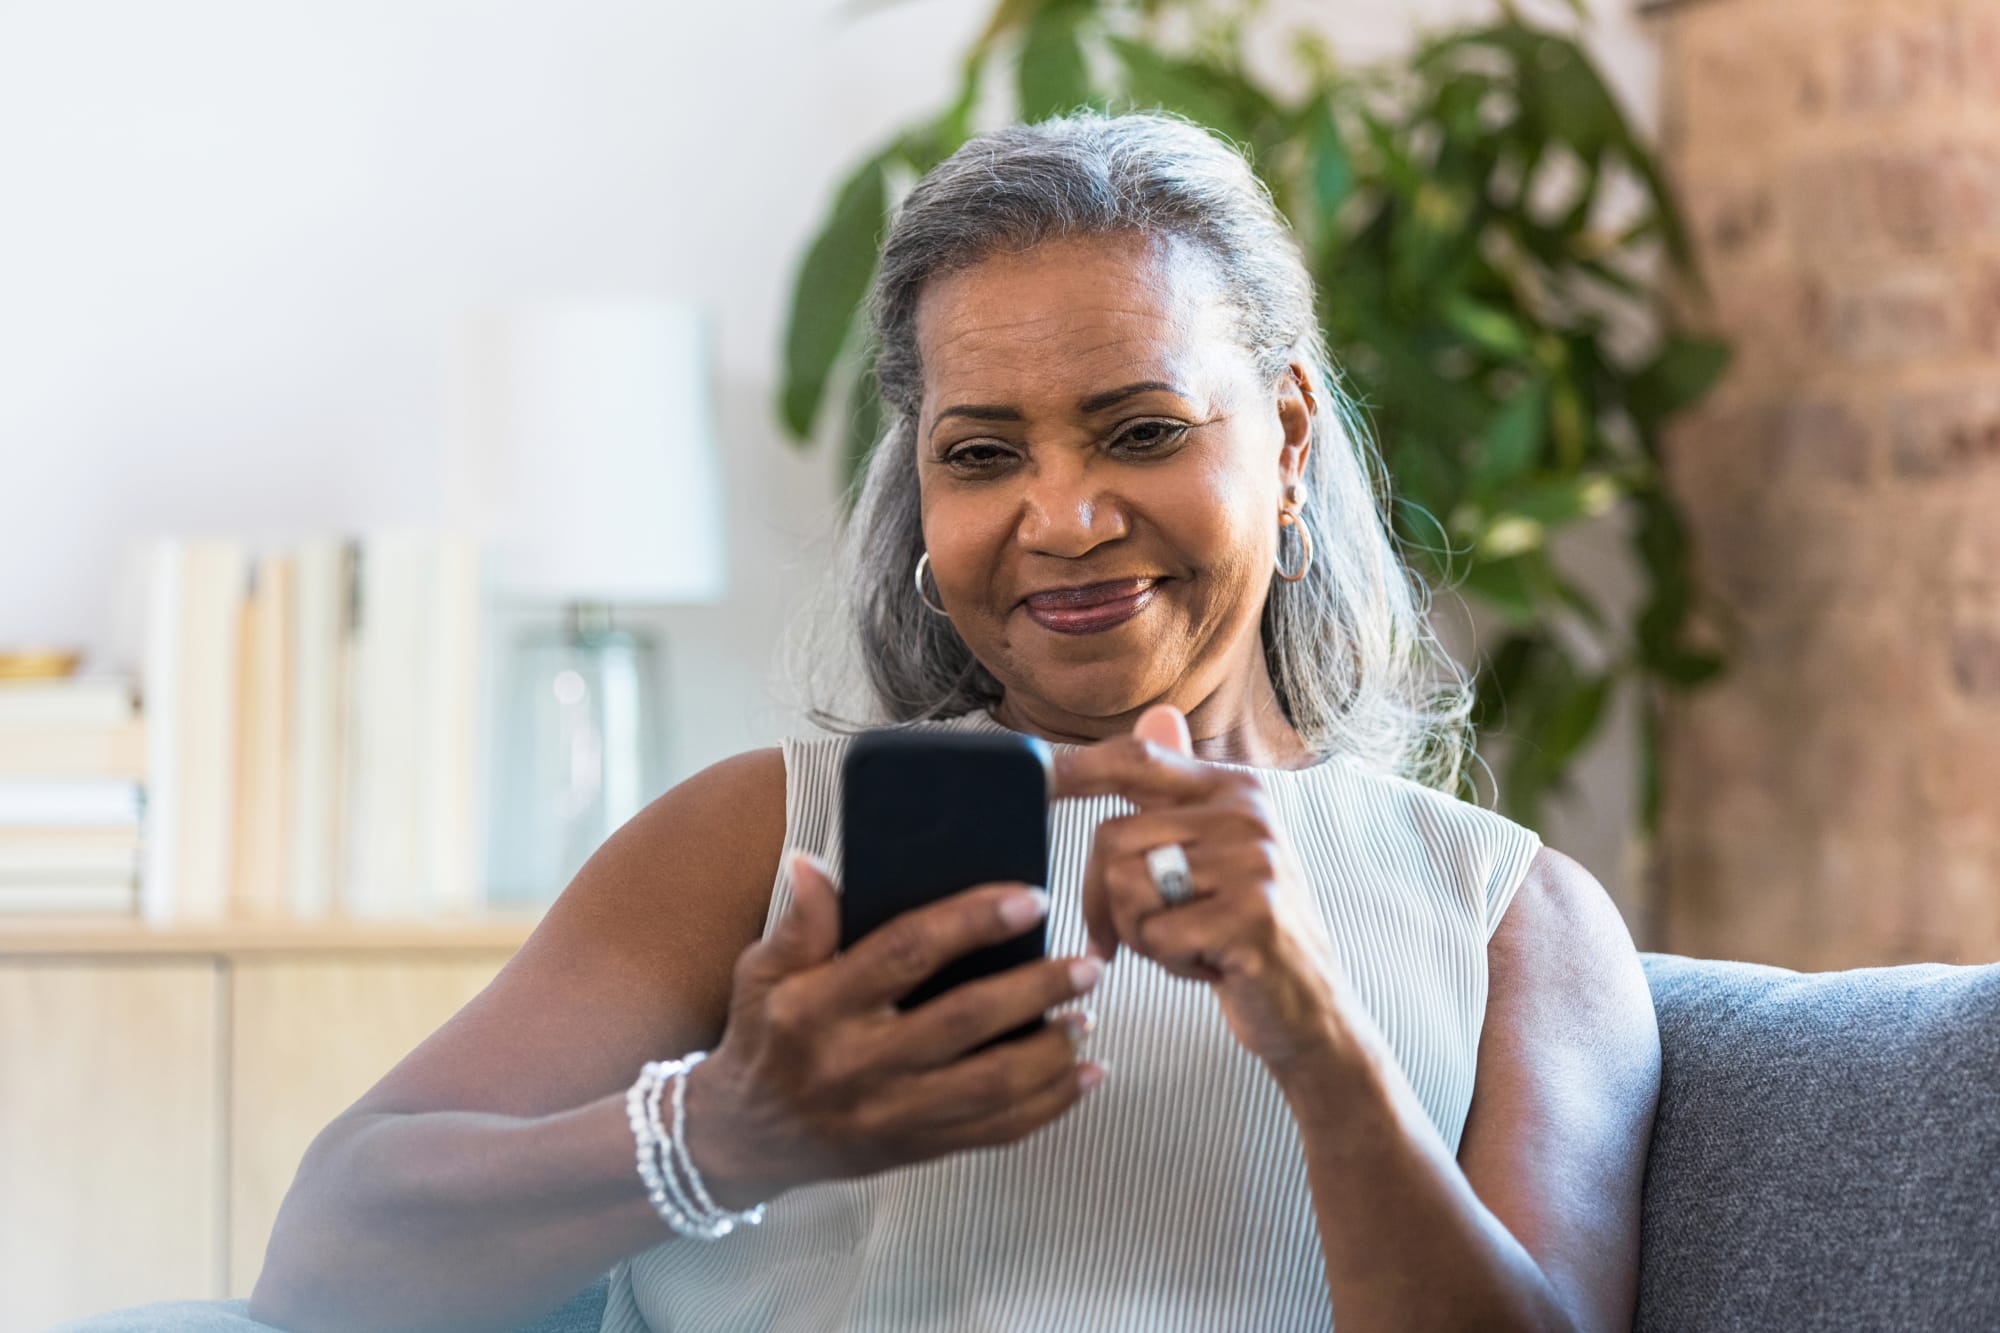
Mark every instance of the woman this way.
pixel 1392 1064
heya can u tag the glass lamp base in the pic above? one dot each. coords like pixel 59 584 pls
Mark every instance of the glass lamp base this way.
pixel 580 750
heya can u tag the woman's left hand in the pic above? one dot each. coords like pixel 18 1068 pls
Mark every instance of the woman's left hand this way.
pixel 1250 928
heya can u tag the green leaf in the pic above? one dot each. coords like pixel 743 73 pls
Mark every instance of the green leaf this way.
pixel 1569 424
pixel 1622 283
pixel 1508 586
pixel 1683 373
pixel 1561 500
pixel 831 285
pixel 1513 440
pixel 1201 91
pixel 1560 715
pixel 1332 168
pixel 1662 543
pixel 1053 77
pixel 1579 601
pixel 1007 16
pixel 1574 721
pixel 1498 331
pixel 1570 98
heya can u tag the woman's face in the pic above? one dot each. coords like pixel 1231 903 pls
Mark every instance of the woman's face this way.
pixel 1101 470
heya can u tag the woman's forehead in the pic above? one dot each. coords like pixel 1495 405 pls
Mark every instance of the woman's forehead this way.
pixel 1072 313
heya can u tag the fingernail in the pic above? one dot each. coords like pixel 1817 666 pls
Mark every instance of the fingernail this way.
pixel 1084 973
pixel 1090 1076
pixel 1078 1024
pixel 1024 909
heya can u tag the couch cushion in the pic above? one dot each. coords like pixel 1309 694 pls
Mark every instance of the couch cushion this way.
pixel 1827 1149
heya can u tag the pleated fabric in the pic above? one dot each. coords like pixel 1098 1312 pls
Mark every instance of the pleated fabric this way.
pixel 1174 1196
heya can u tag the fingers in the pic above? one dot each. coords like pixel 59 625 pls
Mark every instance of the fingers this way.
pixel 1165 726
pixel 1142 771
pixel 1198 940
pixel 940 1030
pixel 1118 889
pixel 890 961
pixel 1009 1088
pixel 807 934
pixel 1133 899
pixel 1022 1118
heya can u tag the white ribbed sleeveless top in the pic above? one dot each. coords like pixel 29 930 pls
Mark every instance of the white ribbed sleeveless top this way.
pixel 1173 1196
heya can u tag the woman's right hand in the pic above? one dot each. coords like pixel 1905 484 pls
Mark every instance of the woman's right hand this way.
pixel 820 1077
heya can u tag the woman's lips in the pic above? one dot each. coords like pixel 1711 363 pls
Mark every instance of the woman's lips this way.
pixel 1089 610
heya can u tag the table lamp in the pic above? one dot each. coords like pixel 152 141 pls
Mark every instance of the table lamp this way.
pixel 583 455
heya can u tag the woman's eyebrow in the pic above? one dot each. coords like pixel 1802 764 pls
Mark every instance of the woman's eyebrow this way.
pixel 1097 402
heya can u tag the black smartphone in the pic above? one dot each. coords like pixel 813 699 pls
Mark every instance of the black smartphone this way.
pixel 926 814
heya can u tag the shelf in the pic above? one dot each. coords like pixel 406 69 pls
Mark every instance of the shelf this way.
pixel 52 936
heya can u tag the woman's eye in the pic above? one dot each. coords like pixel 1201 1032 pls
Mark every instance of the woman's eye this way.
pixel 975 455
pixel 1151 436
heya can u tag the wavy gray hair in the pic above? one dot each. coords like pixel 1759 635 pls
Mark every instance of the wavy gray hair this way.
pixel 1357 668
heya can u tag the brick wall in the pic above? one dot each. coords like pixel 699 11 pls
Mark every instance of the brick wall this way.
pixel 1836 801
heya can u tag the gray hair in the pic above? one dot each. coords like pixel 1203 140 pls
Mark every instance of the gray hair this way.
pixel 1357 668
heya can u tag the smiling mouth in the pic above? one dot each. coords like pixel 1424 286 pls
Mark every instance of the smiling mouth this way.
pixel 1088 610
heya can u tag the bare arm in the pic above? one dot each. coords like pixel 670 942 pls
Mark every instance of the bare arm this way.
pixel 1537 1224
pixel 489 1175
pixel 1562 1109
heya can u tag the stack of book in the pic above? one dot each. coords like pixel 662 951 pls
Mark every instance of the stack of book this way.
pixel 311 728
pixel 72 757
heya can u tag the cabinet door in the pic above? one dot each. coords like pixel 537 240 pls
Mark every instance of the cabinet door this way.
pixel 110 1136
pixel 309 1036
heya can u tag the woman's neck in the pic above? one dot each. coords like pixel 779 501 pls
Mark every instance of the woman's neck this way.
pixel 1242 725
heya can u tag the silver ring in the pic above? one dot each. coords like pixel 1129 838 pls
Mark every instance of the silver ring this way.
pixel 1168 866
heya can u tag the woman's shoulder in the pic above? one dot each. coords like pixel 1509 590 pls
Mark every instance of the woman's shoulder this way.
pixel 725 823
pixel 1406 793
pixel 1478 854
pixel 745 784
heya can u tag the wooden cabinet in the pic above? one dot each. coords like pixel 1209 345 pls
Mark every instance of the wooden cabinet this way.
pixel 157 1090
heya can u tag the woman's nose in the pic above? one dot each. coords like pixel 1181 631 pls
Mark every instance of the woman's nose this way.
pixel 1066 513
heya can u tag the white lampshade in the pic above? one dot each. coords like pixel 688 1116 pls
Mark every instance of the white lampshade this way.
pixel 582 451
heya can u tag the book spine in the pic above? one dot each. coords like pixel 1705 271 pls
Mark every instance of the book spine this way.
pixel 320 636
pixel 452 714
pixel 166 608
pixel 209 683
pixel 75 703
pixel 385 877
pixel 58 897
pixel 74 751
pixel 262 804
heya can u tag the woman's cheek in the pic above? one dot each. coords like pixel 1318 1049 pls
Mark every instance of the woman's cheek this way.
pixel 966 544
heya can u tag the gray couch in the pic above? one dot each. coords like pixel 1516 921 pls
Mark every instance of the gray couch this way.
pixel 1826 1156
pixel 1827 1149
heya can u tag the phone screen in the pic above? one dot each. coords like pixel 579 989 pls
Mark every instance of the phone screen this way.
pixel 925 814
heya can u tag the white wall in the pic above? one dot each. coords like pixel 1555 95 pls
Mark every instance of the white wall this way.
pixel 234 236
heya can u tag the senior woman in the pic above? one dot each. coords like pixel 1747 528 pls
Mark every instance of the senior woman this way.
pixel 1391 1065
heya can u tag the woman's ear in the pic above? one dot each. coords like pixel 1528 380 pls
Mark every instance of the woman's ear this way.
pixel 1298 403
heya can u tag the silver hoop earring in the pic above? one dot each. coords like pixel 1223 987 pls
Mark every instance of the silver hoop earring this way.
pixel 1291 518
pixel 923 563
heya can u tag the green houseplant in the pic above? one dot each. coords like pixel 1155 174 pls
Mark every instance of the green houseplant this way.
pixel 1486 232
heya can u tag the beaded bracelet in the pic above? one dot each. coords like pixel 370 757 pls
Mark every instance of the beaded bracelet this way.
pixel 663 1158
pixel 669 1199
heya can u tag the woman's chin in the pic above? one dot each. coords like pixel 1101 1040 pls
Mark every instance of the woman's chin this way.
pixel 1097 691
